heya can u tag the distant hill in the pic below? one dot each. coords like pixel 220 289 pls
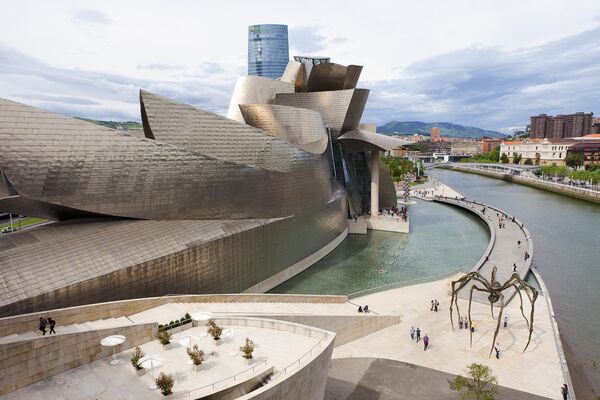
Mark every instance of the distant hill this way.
pixel 115 124
pixel 448 129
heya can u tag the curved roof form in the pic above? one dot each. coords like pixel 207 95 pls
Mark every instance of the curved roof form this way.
pixel 168 121
pixel 341 110
pixel 331 76
pixel 362 140
pixel 255 90
pixel 299 126
pixel 55 161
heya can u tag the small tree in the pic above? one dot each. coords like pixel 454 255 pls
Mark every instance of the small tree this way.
pixel 504 158
pixel 528 161
pixel 538 158
pixel 164 337
pixel 574 161
pixel 165 382
pixel 247 349
pixel 196 355
pixel 517 158
pixel 135 358
pixel 214 330
pixel 481 385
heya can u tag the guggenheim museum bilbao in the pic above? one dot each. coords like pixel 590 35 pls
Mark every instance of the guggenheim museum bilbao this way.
pixel 199 203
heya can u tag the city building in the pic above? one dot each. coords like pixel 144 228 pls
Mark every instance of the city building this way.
pixel 436 134
pixel 588 151
pixel 596 126
pixel 199 203
pixel 467 148
pixel 540 151
pixel 489 144
pixel 268 50
pixel 561 126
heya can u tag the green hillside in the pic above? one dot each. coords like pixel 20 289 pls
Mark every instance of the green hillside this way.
pixel 448 129
pixel 125 125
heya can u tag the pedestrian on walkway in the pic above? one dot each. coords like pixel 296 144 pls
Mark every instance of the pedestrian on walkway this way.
pixel 519 243
pixel 435 305
pixel 505 321
pixel 412 333
pixel 425 342
pixel 460 323
pixel 51 322
pixel 526 256
pixel 564 390
pixel 497 348
pixel 472 327
pixel 418 334
pixel 42 326
pixel 360 309
pixel 432 305
pixel 514 267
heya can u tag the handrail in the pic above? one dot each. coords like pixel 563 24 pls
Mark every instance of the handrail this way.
pixel 404 283
pixel 189 392
pixel 309 353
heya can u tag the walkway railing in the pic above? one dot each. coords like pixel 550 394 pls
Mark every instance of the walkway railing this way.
pixel 298 362
pixel 194 393
pixel 407 283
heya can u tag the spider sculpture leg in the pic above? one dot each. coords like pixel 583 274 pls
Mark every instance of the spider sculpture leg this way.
pixel 514 279
pixel 498 324
pixel 454 300
pixel 470 321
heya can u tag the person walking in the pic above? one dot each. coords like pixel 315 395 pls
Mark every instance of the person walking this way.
pixel 51 322
pixel 514 267
pixel 497 348
pixel 418 334
pixel 425 342
pixel 505 321
pixel 42 326
pixel 412 333
pixel 432 304
pixel 564 390
pixel 519 243
pixel 460 323
pixel 435 305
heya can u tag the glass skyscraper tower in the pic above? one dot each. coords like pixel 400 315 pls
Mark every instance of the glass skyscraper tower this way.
pixel 268 50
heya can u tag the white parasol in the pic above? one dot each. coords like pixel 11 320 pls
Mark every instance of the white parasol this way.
pixel 151 361
pixel 230 333
pixel 113 341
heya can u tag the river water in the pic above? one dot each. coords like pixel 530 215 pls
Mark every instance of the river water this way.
pixel 566 238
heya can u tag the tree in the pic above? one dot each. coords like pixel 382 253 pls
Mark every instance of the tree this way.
pixel 481 384
pixel 538 158
pixel 528 161
pixel 504 158
pixel 574 160
pixel 517 158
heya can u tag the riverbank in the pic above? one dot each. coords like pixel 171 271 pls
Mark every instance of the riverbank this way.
pixel 578 193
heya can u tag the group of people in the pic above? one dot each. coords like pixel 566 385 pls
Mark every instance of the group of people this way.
pixel 417 334
pixel 501 221
pixel 47 322
pixel 363 309
pixel 434 305
pixel 463 323
pixel 395 212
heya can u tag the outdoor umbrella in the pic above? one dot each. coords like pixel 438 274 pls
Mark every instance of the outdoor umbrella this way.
pixel 151 361
pixel 230 333
pixel 113 341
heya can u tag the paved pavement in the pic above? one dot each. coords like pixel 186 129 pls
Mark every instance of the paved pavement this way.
pixel 382 379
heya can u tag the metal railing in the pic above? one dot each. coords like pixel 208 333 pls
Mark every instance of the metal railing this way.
pixel 194 392
pixel 298 362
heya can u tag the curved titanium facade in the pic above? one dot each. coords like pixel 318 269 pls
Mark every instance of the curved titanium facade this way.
pixel 330 76
pixel 299 126
pixel 255 90
pixel 341 109
pixel 362 140
pixel 268 50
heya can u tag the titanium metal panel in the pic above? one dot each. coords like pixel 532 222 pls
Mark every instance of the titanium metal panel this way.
pixel 330 76
pixel 299 126
pixel 255 90
pixel 71 163
pixel 291 71
pixel 340 109
pixel 362 140
pixel 87 261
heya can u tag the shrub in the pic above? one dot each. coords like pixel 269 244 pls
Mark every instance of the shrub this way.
pixel 135 358
pixel 165 382
pixel 247 348
pixel 196 355
pixel 164 337
pixel 214 330
pixel 481 384
pixel 187 316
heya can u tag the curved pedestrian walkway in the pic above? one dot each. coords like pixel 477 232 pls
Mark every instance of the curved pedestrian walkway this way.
pixel 507 248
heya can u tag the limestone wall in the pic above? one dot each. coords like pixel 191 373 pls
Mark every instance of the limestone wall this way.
pixel 71 315
pixel 25 362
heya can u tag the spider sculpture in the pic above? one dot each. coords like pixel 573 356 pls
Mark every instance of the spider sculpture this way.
pixel 495 289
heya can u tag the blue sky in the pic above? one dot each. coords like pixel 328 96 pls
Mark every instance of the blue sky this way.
pixel 480 63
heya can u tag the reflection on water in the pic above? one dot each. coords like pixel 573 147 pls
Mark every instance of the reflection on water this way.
pixel 442 239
